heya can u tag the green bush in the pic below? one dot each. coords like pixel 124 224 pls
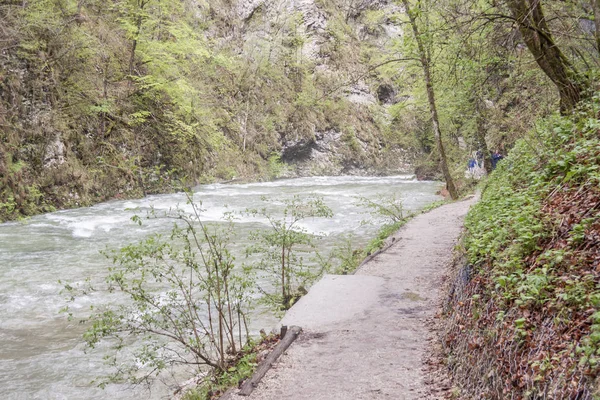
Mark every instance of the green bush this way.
pixel 531 306
pixel 282 247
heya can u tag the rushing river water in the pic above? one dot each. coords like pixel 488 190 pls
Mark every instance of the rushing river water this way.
pixel 41 354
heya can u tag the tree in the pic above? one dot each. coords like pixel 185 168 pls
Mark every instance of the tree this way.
pixel 534 29
pixel 281 247
pixel 184 300
pixel 480 135
pixel 596 12
pixel 425 61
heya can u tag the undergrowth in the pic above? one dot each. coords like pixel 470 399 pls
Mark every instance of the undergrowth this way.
pixel 240 368
pixel 526 324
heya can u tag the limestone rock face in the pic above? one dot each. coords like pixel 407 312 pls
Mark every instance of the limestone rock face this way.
pixel 326 149
pixel 311 149
pixel 272 15
pixel 319 155
pixel 55 153
pixel 361 94
pixel 246 8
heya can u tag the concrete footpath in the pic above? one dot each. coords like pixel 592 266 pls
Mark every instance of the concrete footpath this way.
pixel 365 335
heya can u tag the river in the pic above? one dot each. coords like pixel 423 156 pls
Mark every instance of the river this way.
pixel 41 352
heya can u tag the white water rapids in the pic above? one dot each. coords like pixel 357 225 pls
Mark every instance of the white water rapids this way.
pixel 41 353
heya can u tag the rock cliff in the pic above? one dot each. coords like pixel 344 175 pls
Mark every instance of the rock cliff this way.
pixel 100 100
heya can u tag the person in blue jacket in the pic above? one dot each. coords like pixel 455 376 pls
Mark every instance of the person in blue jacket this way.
pixel 472 164
pixel 496 156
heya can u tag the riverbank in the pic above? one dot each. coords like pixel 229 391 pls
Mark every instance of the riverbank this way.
pixel 164 184
pixel 367 335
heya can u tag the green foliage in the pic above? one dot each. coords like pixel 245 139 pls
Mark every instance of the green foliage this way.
pixel 183 299
pixel 373 19
pixel 434 205
pixel 345 258
pixel 242 369
pixel 349 137
pixel 386 209
pixel 281 249
pixel 7 208
pixel 19 197
pixel 508 223
pixel 276 167
pixel 384 232
pixel 529 241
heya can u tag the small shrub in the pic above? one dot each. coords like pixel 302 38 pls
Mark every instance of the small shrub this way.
pixel 282 247
pixel 184 301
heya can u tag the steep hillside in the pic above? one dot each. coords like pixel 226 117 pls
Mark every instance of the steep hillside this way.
pixel 103 99
pixel 524 319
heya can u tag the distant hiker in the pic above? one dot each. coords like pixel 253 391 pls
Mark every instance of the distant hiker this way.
pixel 496 156
pixel 472 164
pixel 479 158
pixel 474 171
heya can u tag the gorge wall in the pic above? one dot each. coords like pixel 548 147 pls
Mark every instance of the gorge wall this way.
pixel 101 100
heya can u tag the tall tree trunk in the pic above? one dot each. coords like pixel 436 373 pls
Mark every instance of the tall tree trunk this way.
pixel 480 136
pixel 425 63
pixel 536 34
pixel 134 46
pixel 141 4
pixel 596 11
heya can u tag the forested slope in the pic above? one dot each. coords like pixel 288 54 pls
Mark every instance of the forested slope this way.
pixel 101 99
pixel 525 320
pixel 524 311
pixel 116 99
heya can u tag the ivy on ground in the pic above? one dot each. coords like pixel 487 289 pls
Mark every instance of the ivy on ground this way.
pixel 527 323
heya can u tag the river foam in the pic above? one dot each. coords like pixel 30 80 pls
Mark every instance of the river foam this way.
pixel 41 353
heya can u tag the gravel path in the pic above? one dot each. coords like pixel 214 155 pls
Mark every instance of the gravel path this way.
pixel 366 336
